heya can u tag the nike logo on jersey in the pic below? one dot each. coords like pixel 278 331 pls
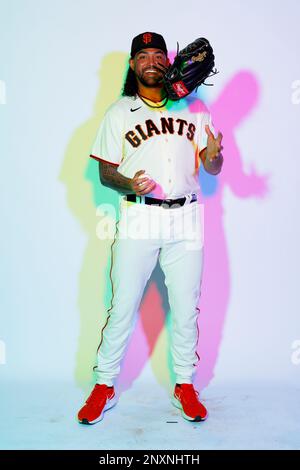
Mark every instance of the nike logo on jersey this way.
pixel 132 110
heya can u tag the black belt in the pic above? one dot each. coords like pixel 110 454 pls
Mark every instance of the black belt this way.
pixel 165 203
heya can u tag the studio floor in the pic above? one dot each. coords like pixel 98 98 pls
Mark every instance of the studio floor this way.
pixel 241 416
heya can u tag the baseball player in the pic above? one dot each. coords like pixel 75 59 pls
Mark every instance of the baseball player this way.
pixel 149 149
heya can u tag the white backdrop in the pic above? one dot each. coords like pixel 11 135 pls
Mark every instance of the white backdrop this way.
pixel 50 55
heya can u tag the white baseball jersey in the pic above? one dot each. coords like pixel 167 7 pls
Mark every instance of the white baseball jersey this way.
pixel 165 142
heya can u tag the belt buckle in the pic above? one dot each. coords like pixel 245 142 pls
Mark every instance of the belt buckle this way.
pixel 166 203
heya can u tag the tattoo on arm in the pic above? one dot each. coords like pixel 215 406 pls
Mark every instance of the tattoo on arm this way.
pixel 110 177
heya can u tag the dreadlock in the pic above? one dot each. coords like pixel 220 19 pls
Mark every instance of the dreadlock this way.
pixel 130 87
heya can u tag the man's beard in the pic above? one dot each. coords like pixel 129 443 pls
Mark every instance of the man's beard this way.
pixel 156 81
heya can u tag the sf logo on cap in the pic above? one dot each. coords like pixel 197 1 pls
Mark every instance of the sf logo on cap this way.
pixel 147 37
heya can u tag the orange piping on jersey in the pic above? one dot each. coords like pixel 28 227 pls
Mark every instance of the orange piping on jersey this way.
pixel 102 160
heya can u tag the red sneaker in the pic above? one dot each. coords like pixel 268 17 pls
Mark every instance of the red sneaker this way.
pixel 186 398
pixel 101 399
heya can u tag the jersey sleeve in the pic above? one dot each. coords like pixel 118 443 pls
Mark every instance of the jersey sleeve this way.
pixel 107 146
pixel 205 119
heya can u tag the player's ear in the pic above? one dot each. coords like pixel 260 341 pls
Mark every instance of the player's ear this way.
pixel 131 64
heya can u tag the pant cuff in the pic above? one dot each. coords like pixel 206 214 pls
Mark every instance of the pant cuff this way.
pixel 186 380
pixel 109 383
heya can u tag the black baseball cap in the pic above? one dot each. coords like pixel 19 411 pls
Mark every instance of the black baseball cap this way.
pixel 147 40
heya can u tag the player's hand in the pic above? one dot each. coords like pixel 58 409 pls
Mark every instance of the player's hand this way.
pixel 214 146
pixel 161 67
pixel 142 185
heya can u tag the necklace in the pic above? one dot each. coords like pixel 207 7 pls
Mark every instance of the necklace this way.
pixel 161 106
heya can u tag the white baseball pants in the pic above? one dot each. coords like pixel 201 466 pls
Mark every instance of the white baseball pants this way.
pixel 146 234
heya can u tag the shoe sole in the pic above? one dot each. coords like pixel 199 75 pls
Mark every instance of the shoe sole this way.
pixel 110 404
pixel 178 405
